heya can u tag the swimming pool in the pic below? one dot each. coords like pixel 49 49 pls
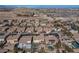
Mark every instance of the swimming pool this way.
pixel 75 44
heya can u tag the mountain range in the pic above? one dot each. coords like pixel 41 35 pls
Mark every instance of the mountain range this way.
pixel 38 6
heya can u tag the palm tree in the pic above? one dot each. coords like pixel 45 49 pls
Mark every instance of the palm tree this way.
pixel 15 48
pixel 32 45
pixel 2 43
pixel 58 46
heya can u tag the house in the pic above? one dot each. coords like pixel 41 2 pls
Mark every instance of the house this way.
pixel 9 47
pixel 1 29
pixel 76 36
pixel 3 50
pixel 73 31
pixel 25 39
pixel 47 29
pixel 51 39
pixel 11 29
pixel 76 50
pixel 25 43
pixel 39 29
pixel 20 29
pixel 29 29
pixel 39 38
pixel 13 39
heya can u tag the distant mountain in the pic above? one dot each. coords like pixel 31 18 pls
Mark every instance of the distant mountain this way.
pixel 37 6
pixel 7 6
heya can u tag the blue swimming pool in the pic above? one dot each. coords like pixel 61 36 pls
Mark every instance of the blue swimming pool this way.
pixel 75 44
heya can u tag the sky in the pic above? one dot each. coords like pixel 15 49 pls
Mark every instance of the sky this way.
pixel 39 6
